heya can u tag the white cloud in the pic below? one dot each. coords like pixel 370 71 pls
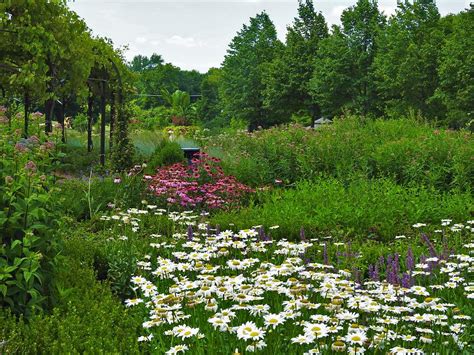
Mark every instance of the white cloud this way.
pixel 387 10
pixel 336 11
pixel 188 42
pixel 197 33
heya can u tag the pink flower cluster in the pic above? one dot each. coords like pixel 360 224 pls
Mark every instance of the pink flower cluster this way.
pixel 203 184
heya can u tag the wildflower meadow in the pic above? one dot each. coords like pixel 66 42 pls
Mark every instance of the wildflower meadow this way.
pixel 172 184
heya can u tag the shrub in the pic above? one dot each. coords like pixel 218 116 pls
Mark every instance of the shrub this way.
pixel 84 198
pixel 167 153
pixel 80 122
pixel 28 222
pixel 87 319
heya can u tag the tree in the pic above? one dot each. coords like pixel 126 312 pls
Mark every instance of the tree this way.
pixel 48 52
pixel 331 84
pixel 242 86
pixel 288 75
pixel 456 71
pixel 180 103
pixel 208 106
pixel 348 54
pixel 140 63
pixel 406 63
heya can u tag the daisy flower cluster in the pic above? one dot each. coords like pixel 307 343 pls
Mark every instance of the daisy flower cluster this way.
pixel 212 291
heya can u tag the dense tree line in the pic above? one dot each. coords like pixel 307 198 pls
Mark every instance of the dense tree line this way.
pixel 152 75
pixel 413 62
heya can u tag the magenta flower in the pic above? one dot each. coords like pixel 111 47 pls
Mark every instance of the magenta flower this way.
pixel 203 185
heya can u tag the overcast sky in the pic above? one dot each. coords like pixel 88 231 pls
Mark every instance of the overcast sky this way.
pixel 194 34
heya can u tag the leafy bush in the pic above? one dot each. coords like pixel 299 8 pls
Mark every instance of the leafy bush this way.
pixel 87 318
pixel 82 199
pixel 167 153
pixel 378 209
pixel 80 122
pixel 152 119
pixel 406 150
pixel 28 221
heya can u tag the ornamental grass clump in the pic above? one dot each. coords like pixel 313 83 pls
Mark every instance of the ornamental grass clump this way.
pixel 201 185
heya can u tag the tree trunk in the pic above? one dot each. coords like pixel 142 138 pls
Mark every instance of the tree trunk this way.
pixel 62 121
pixel 90 103
pixel 112 119
pixel 102 124
pixel 27 106
pixel 49 108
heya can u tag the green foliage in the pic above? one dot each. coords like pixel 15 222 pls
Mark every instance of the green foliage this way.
pixel 377 209
pixel 287 77
pixel 249 53
pixel 151 119
pixel 331 82
pixel 180 103
pixel 80 122
pixel 208 108
pixel 343 73
pixel 407 59
pixel 456 71
pixel 123 151
pixel 140 63
pixel 167 153
pixel 153 75
pixel 405 150
pixel 87 319
pixel 28 221
pixel 84 199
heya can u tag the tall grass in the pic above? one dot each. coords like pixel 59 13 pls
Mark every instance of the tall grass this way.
pixel 379 209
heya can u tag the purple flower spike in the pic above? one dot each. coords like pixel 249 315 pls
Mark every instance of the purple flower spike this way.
pixel 410 260
pixel 407 280
pixel 190 232
pixel 302 235
pixel 325 254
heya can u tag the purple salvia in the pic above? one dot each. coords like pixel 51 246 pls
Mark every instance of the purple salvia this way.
pixel 381 261
pixel 302 236
pixel 396 263
pixel 376 275
pixel 372 272
pixel 325 254
pixel 407 280
pixel 395 269
pixel 390 271
pixel 423 259
pixel 261 233
pixel 356 275
pixel 190 232
pixel 410 260
pixel 430 245
pixel 389 263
